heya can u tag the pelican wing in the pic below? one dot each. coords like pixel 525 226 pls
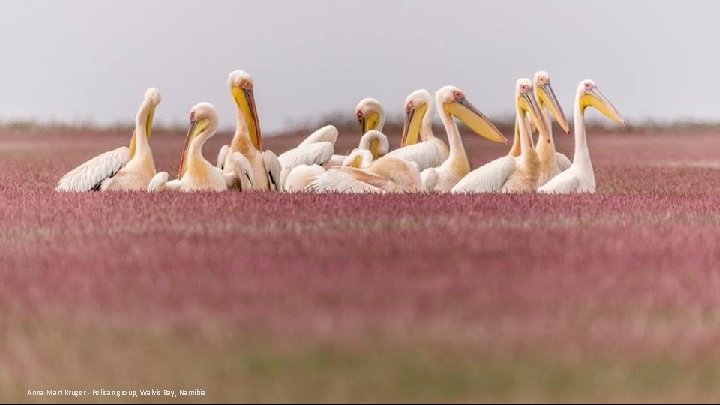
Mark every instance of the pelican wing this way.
pixel 488 178
pixel 273 169
pixel 313 154
pixel 424 154
pixel 222 155
pixel 241 176
pixel 327 133
pixel 564 183
pixel 563 162
pixel 343 181
pixel 91 174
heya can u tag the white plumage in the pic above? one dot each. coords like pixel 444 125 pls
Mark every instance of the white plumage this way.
pixel 568 182
pixel 90 175
pixel 341 181
pixel 301 176
pixel 488 178
pixel 327 133
pixel 425 154
pixel 563 161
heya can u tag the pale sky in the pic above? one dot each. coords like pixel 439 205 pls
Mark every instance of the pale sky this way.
pixel 92 60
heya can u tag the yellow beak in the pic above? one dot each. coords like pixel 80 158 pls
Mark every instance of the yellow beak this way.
pixel 475 120
pixel 245 100
pixel 196 127
pixel 546 97
pixel 413 125
pixel 369 122
pixel 148 131
pixel 529 106
pixel 595 98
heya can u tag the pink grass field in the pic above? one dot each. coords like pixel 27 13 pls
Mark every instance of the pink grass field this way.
pixel 276 297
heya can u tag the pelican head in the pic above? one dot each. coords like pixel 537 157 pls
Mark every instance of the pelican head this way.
pixel 590 96
pixel 376 142
pixel 545 97
pixel 416 107
pixel 203 124
pixel 370 115
pixel 359 159
pixel 527 105
pixel 241 88
pixel 452 100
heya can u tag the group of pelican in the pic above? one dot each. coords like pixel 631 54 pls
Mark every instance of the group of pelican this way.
pixel 422 163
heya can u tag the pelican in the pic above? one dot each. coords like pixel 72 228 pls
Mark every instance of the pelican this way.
pixel 419 112
pixel 371 117
pixel 301 176
pixel 580 177
pixel 248 137
pixel 125 168
pixel 385 175
pixel 453 103
pixel 552 162
pixel 515 174
pixel 194 172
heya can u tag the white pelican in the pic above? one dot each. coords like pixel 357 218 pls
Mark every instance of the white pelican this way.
pixel 194 172
pixel 384 175
pixel 580 177
pixel 452 103
pixel 248 137
pixel 301 176
pixel 371 117
pixel 552 162
pixel 419 112
pixel 515 174
pixel 125 168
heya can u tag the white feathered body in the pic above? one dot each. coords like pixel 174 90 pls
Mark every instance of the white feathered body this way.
pixel 427 154
pixel 577 179
pixel 386 174
pixel 200 175
pixel 488 178
pixel 135 175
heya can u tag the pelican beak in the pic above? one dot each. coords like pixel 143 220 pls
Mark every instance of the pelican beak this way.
pixel 528 104
pixel 363 123
pixel 133 146
pixel 375 148
pixel 546 97
pixel 463 110
pixel 149 122
pixel 413 125
pixel 369 122
pixel 594 98
pixel 245 100
pixel 148 130
pixel 192 132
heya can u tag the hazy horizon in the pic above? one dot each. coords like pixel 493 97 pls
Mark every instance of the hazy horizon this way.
pixel 87 61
